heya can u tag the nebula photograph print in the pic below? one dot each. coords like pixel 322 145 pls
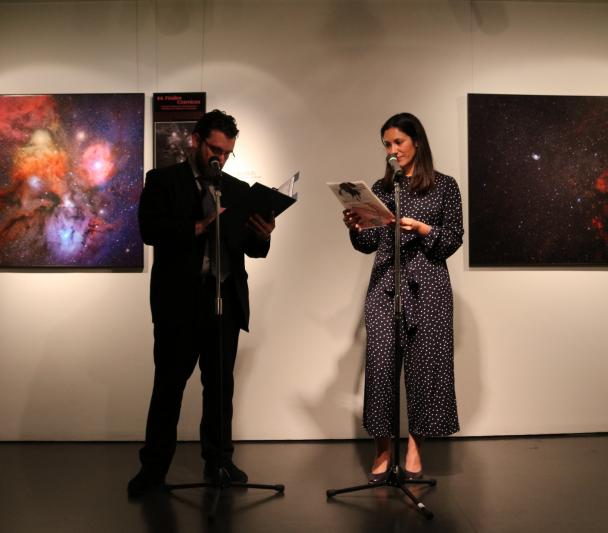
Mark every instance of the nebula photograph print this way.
pixel 71 171
pixel 172 142
pixel 538 180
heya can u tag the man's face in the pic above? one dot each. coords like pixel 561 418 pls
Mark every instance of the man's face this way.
pixel 216 144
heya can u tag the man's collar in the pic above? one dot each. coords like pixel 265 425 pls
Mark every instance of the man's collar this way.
pixel 193 166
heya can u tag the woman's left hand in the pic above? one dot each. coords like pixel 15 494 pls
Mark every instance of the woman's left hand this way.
pixel 411 225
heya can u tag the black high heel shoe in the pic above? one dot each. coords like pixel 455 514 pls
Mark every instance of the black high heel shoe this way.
pixel 380 477
pixel 413 475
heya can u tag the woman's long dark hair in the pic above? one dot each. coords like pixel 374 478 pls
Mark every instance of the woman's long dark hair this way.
pixel 423 178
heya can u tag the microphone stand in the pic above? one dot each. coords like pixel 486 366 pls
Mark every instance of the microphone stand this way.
pixel 222 480
pixel 396 477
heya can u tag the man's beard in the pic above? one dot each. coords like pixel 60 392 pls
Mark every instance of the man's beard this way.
pixel 204 169
pixel 200 163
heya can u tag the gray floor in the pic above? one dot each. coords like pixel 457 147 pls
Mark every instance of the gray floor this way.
pixel 556 484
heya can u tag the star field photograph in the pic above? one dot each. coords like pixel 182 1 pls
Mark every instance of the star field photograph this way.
pixel 71 171
pixel 538 180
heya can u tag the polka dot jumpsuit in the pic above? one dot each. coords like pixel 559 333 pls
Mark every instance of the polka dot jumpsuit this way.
pixel 426 331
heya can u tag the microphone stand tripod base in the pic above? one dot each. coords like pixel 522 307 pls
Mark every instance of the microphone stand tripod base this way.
pixel 222 483
pixel 396 478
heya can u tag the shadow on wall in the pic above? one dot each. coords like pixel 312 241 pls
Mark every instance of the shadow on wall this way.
pixel 174 17
pixel 89 384
pixel 352 31
pixel 56 407
pixel 489 18
pixel 467 362
pixel 342 397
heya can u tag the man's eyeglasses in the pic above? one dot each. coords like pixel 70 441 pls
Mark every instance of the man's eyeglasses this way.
pixel 217 151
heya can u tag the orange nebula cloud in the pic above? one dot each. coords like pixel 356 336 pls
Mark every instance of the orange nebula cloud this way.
pixel 601 183
pixel 97 164
pixel 41 159
pixel 20 115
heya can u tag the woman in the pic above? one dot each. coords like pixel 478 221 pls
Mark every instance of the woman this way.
pixel 431 230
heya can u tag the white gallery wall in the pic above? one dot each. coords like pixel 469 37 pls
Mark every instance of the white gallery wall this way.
pixel 310 83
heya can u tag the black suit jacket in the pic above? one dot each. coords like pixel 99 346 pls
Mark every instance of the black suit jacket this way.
pixel 169 206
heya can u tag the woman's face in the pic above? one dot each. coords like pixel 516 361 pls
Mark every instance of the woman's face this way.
pixel 400 144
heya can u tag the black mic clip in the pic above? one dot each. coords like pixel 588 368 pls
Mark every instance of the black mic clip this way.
pixel 394 164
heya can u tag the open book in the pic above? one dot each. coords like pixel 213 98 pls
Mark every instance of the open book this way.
pixel 267 201
pixel 358 197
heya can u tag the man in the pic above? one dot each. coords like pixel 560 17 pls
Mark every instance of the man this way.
pixel 177 218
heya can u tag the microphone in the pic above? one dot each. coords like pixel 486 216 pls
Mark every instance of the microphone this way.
pixel 214 163
pixel 392 161
pixel 216 174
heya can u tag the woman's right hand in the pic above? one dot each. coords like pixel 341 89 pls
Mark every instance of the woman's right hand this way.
pixel 351 220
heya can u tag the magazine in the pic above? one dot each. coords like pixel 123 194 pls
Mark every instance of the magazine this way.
pixel 359 198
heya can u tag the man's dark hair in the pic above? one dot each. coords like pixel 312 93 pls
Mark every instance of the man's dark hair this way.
pixel 216 120
pixel 424 173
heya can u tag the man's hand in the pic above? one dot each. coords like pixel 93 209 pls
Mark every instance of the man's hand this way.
pixel 262 228
pixel 200 226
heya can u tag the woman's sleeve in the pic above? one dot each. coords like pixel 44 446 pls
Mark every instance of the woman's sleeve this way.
pixel 446 237
pixel 366 240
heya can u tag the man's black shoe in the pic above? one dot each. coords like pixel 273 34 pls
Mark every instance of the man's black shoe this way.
pixel 145 482
pixel 235 474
